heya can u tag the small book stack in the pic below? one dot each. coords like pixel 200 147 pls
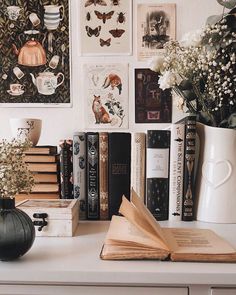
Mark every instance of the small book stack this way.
pixel 43 162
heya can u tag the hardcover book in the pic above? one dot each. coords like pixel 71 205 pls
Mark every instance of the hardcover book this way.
pixel 79 171
pixel 137 235
pixel 157 173
pixel 138 168
pixel 103 175
pixel 41 158
pixel 93 175
pixel 177 142
pixel 119 146
pixel 189 168
pixel 42 149
pixel 66 169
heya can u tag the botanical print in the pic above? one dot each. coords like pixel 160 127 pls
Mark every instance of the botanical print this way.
pixel 106 26
pixel 106 95
pixel 34 53
pixel 152 104
pixel 155 26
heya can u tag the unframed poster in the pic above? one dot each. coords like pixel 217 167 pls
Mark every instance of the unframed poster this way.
pixel 106 27
pixel 156 25
pixel 34 53
pixel 106 95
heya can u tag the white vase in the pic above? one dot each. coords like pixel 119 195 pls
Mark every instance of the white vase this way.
pixel 216 181
pixel 26 128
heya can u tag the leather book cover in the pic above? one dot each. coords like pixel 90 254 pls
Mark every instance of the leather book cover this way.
pixel 119 151
pixel 66 169
pixel 157 173
pixel 92 175
pixel 103 175
pixel 79 172
pixel 189 167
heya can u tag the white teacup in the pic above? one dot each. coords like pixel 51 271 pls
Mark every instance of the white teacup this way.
pixel 26 128
pixel 16 88
pixel 13 12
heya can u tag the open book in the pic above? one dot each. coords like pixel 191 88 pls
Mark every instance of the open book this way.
pixel 137 235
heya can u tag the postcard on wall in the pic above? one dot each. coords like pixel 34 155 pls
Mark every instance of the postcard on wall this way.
pixel 34 53
pixel 152 105
pixel 106 27
pixel 106 95
pixel 156 25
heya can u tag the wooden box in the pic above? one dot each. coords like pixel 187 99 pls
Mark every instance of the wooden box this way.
pixel 52 218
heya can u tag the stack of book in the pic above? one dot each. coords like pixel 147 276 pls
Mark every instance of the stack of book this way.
pixel 43 162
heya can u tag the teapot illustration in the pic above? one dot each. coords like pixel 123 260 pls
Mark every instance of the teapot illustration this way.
pixel 47 82
pixel 32 53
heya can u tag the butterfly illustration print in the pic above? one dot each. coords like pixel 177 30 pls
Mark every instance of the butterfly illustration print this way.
pixel 93 32
pixel 105 42
pixel 104 16
pixel 117 33
pixel 95 2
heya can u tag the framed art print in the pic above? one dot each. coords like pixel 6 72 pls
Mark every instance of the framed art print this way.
pixel 156 25
pixel 34 53
pixel 106 95
pixel 106 27
pixel 152 105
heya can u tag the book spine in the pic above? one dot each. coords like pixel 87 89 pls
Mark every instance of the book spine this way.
pixel 103 175
pixel 79 172
pixel 177 140
pixel 93 175
pixel 189 166
pixel 138 150
pixel 119 151
pixel 157 170
pixel 66 169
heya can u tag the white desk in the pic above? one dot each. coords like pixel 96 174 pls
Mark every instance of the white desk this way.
pixel 72 266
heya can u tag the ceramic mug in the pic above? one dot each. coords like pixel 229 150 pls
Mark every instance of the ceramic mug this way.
pixel 52 16
pixel 26 128
pixel 13 12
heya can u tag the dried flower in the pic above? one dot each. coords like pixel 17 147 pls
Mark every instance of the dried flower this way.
pixel 201 69
pixel 15 176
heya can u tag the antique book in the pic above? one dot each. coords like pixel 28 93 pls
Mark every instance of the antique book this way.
pixel 189 168
pixel 79 171
pixel 43 167
pixel 138 168
pixel 137 235
pixel 103 175
pixel 45 187
pixel 22 196
pixel 119 154
pixel 157 173
pixel 177 140
pixel 66 169
pixel 92 175
pixel 42 149
pixel 45 177
pixel 40 158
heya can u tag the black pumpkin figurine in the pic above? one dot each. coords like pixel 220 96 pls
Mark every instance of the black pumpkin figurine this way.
pixel 17 232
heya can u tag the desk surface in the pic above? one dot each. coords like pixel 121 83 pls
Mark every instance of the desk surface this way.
pixel 76 261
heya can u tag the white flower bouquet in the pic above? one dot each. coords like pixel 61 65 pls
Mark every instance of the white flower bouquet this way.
pixel 201 69
pixel 15 176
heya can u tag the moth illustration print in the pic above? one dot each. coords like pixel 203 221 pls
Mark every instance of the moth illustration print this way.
pixel 95 2
pixel 104 16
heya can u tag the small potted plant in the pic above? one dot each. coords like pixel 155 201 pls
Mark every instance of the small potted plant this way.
pixel 16 228
pixel 201 71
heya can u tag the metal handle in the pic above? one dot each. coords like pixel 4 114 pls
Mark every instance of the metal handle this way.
pixel 40 223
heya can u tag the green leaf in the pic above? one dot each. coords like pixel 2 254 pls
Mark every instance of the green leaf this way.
pixel 213 19
pixel 230 4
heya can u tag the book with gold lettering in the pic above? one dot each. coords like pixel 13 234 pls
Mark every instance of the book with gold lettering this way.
pixel 137 235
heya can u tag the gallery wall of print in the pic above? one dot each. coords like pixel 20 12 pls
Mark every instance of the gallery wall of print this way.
pixel 34 53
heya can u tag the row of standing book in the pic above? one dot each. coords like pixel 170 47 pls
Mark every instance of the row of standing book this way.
pixel 99 167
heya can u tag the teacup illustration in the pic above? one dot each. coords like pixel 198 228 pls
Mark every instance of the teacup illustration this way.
pixel 16 89
pixel 13 12
pixel 52 16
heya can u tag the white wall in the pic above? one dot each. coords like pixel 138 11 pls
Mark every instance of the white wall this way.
pixel 60 123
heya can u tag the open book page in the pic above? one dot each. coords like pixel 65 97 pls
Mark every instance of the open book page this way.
pixel 125 241
pixel 198 245
pixel 138 217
